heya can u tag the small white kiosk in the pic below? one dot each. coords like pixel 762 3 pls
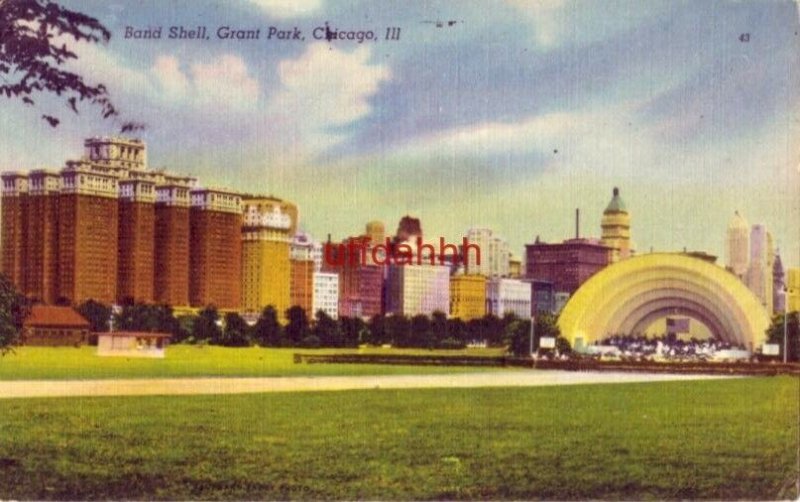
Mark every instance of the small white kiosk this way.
pixel 132 344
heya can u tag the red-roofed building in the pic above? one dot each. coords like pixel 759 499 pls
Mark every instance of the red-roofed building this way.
pixel 48 325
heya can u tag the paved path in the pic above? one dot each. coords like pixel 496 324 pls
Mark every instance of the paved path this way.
pixel 178 386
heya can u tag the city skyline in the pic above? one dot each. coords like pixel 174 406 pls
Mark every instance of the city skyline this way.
pixel 506 120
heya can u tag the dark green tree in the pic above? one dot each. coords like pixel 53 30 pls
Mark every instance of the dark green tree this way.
pixel 268 332
pixel 456 336
pixel 96 313
pixel 236 332
pixel 297 328
pixel 327 330
pixel 14 309
pixel 397 328
pixel 438 328
pixel 517 334
pixel 377 330
pixel 354 331
pixel 775 335
pixel 35 49
pixel 420 333
pixel 206 327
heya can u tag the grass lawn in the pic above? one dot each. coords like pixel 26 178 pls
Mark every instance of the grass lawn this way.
pixel 37 363
pixel 725 439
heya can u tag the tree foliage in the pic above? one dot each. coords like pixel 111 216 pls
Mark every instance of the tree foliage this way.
pixel 776 330
pixel 206 327
pixel 267 331
pixel 34 56
pixel 13 311
pixel 236 332
pixel 96 313
pixel 297 328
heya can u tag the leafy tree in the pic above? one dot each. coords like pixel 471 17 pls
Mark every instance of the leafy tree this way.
pixel 13 311
pixel 236 333
pixel 420 334
pixel 457 330
pixel 96 313
pixel 297 327
pixel 775 335
pixel 546 326
pixel 327 330
pixel 184 327
pixel 518 334
pixel 267 332
pixel 438 328
pixel 33 53
pixel 397 328
pixel 354 331
pixel 206 326
pixel 145 317
pixel 376 328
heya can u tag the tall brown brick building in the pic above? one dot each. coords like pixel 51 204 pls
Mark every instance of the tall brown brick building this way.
pixel 136 247
pixel 171 260
pixel 215 256
pixel 14 252
pixel 41 269
pixel 108 228
pixel 87 235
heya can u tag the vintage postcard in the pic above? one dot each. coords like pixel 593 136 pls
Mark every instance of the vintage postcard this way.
pixel 399 250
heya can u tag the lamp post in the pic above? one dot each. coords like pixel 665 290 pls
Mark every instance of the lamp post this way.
pixel 785 321
pixel 531 337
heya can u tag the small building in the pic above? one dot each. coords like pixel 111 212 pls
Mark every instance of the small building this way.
pixel 49 325
pixel 132 344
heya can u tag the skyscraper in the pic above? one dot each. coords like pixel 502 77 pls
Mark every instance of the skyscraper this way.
pixel 793 290
pixel 616 227
pixel 266 242
pixel 14 253
pixel 759 271
pixel 88 233
pixel 301 256
pixel 467 296
pixel 172 236
pixel 136 248
pixel 566 265
pixel 41 269
pixel 494 256
pixel 778 285
pixel 215 255
pixel 737 246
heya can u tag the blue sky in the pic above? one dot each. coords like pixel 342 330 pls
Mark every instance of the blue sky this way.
pixel 510 118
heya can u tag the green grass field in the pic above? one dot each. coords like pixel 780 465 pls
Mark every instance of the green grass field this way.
pixel 725 439
pixel 38 363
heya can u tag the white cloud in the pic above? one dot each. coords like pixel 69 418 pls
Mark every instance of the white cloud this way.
pixel 285 9
pixel 322 89
pixel 225 81
pixel 222 82
pixel 547 19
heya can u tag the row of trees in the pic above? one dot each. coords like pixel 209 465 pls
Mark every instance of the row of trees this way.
pixel 230 329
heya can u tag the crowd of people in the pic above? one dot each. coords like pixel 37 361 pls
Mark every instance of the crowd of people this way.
pixel 667 347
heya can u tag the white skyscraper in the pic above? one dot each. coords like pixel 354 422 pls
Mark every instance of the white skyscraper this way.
pixel 738 245
pixel 495 254
pixel 759 271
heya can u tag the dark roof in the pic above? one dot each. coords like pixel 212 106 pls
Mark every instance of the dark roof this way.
pixel 53 316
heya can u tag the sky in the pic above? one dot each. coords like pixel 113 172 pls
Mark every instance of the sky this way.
pixel 506 115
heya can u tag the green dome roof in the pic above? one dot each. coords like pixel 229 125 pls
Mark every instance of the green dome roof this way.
pixel 616 205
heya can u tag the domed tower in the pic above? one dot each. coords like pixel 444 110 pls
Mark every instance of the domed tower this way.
pixel 737 245
pixel 616 225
